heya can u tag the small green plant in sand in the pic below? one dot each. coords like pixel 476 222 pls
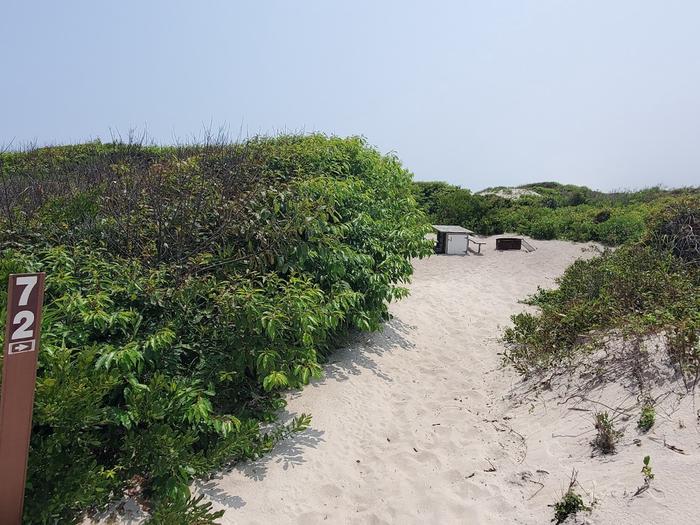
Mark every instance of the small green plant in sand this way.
pixel 648 475
pixel 646 470
pixel 647 418
pixel 570 504
pixel 607 435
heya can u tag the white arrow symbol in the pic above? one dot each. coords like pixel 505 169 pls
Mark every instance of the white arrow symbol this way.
pixel 21 346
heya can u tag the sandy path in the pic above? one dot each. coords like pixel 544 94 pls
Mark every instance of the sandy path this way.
pixel 404 422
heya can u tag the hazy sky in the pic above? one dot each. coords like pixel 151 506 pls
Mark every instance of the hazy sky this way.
pixel 598 92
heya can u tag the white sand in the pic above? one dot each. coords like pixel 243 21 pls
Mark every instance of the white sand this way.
pixel 510 193
pixel 410 423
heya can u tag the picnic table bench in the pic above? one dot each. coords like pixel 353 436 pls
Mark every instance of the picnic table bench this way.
pixel 474 240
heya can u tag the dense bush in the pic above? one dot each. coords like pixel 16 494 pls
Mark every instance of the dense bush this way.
pixel 185 288
pixel 555 211
pixel 640 288
pixel 676 228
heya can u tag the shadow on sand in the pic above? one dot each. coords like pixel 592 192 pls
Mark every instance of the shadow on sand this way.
pixel 356 353
pixel 359 349
pixel 289 453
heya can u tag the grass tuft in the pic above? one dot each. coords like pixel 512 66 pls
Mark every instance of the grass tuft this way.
pixel 570 503
pixel 607 436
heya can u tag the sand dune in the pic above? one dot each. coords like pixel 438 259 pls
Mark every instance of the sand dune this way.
pixel 421 423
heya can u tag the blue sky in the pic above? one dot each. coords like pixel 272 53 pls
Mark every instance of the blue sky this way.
pixel 598 92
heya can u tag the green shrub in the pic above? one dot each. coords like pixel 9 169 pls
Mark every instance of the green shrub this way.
pixel 184 512
pixel 635 289
pixel 186 288
pixel 675 227
pixel 557 211
pixel 602 216
pixel 427 195
pixel 641 288
pixel 647 417
pixel 622 226
pixel 570 504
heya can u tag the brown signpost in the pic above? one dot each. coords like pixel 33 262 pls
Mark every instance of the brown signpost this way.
pixel 25 297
